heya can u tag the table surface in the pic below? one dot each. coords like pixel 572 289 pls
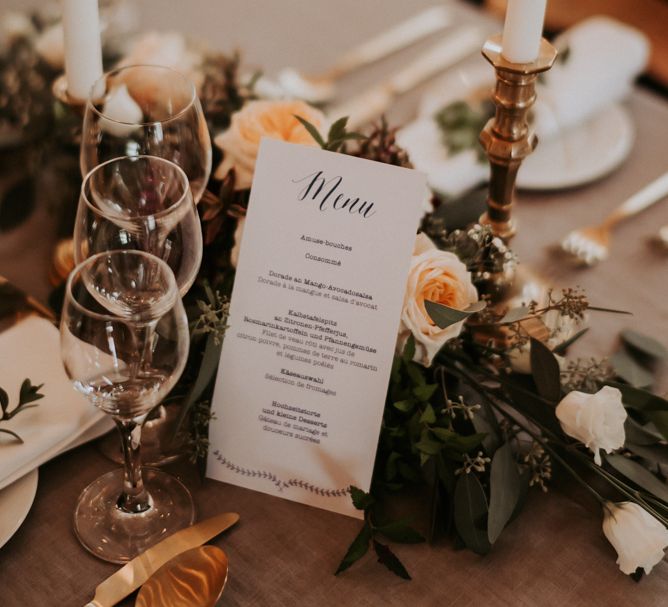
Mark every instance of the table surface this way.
pixel 283 553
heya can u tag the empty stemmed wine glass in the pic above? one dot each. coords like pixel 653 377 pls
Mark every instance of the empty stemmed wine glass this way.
pixel 142 203
pixel 124 343
pixel 147 110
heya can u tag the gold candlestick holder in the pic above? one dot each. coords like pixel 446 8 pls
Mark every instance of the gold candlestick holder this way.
pixel 508 139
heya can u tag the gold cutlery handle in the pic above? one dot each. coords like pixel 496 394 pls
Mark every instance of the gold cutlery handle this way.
pixel 651 193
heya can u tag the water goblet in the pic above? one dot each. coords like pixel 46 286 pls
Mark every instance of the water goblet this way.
pixel 124 343
pixel 147 110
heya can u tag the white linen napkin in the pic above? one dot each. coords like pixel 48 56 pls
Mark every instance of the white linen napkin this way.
pixel 63 418
pixel 600 59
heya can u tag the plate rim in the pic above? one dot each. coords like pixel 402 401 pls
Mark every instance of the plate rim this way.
pixel 31 479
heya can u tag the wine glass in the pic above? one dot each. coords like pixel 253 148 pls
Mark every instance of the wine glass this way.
pixel 142 203
pixel 124 342
pixel 147 110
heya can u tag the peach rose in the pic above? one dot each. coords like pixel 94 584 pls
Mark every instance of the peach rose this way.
pixel 437 276
pixel 276 119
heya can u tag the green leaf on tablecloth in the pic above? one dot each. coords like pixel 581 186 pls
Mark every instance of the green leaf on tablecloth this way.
pixel 630 370
pixel 639 475
pixel 361 499
pixel 564 345
pixel 313 131
pixel 504 491
pixel 4 400
pixel 445 316
pixel 514 314
pixel 400 532
pixel 471 510
pixel 545 371
pixel 357 549
pixel 645 344
pixel 390 560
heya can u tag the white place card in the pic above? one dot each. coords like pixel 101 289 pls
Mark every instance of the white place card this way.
pixel 313 324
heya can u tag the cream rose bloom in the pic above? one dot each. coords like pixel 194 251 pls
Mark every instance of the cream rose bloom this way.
pixel 437 276
pixel 636 535
pixel 275 119
pixel 597 420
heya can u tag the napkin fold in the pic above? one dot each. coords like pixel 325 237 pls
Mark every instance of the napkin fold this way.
pixel 62 420
pixel 600 58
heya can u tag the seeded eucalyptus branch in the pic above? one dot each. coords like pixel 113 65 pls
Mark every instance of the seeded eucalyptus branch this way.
pixel 28 394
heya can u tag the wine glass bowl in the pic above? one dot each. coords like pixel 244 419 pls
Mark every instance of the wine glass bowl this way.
pixel 140 203
pixel 147 110
pixel 124 343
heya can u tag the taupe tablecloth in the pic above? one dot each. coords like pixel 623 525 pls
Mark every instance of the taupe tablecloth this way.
pixel 282 553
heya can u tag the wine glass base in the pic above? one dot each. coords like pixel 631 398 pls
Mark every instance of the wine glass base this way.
pixel 158 446
pixel 116 536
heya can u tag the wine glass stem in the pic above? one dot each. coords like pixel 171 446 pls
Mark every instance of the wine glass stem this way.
pixel 135 498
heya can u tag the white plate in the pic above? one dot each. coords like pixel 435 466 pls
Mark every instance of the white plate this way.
pixel 582 154
pixel 576 157
pixel 15 503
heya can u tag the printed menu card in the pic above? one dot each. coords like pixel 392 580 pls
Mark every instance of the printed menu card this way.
pixel 313 323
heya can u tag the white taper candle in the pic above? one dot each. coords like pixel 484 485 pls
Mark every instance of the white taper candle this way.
pixel 83 46
pixel 523 30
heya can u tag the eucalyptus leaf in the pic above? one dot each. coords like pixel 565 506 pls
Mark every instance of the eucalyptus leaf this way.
pixel 653 407
pixel 514 314
pixel 505 489
pixel 644 344
pixel 444 316
pixel 424 393
pixel 545 371
pixel 482 425
pixel 639 435
pixel 400 532
pixel 357 549
pixel 409 349
pixel 390 560
pixel 655 454
pixel 639 475
pixel 406 406
pixel 470 504
pixel 630 370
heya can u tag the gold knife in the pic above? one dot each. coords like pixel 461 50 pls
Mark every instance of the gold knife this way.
pixel 133 574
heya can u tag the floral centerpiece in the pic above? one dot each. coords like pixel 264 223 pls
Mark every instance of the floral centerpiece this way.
pixel 470 425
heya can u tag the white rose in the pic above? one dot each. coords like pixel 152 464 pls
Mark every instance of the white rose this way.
pixel 238 234
pixel 595 419
pixel 636 535
pixel 437 276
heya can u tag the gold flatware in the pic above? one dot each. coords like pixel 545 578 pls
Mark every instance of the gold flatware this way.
pixel 194 578
pixel 135 573
pixel 591 245
pixel 320 87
